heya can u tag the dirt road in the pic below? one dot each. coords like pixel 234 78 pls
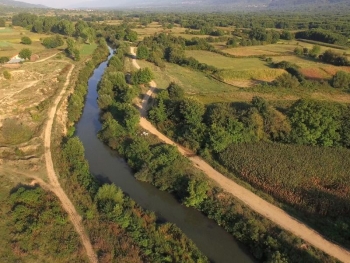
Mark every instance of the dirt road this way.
pixel 256 203
pixel 53 180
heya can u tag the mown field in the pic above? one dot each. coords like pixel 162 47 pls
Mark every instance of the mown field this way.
pixel 283 47
pixel 10 42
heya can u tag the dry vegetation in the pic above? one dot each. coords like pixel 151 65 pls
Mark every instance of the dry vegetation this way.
pixel 24 101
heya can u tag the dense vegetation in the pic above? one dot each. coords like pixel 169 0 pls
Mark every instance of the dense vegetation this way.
pixel 120 230
pixel 163 166
pixel 219 130
pixel 38 228
pixel 323 36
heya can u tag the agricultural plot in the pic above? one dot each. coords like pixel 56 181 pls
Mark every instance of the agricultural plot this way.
pixel 282 48
pixel 241 72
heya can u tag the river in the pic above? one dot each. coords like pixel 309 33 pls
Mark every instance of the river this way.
pixel 212 240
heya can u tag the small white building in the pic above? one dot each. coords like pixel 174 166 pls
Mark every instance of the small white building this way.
pixel 15 59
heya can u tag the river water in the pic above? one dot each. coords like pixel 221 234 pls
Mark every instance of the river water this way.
pixel 212 240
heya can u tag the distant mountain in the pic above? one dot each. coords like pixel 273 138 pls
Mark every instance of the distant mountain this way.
pixel 12 3
pixel 210 4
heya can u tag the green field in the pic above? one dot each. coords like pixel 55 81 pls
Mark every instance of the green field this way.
pixel 209 90
pixel 87 49
pixel 5 30
pixel 194 82
pixel 282 48
pixel 237 68
pixel 10 43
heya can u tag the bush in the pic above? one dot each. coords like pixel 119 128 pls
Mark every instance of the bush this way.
pixel 53 42
pixel 4 60
pixel 26 41
pixel 7 75
pixel 341 80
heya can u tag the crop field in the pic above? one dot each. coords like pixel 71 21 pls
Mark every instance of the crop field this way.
pixel 153 28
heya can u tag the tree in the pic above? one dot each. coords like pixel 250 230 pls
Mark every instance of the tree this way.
pixel 25 53
pixel 287 35
pixel 142 52
pixel 315 123
pixel 53 42
pixel 142 76
pixel 197 192
pixel 2 22
pixel 315 51
pixel 286 80
pixel 26 41
pixel 341 80
pixel 175 91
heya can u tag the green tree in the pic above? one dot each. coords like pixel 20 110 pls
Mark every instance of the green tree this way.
pixel 25 53
pixel 175 91
pixel 315 51
pixel 286 80
pixel 2 22
pixel 197 192
pixel 192 112
pixel 315 123
pixel 142 76
pixel 158 114
pixel 341 80
pixel 142 52
pixel 26 40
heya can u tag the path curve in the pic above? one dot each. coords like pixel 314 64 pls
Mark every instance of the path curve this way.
pixel 255 202
pixel 54 183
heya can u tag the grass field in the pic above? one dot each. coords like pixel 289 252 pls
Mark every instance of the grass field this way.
pixel 242 72
pixel 209 90
pixel 10 42
pixel 282 48
pixel 87 49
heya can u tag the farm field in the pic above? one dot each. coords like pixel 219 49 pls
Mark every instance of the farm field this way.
pixel 282 48
pixel 209 90
pixel 241 72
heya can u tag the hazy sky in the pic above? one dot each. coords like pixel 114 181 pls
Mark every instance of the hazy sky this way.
pixel 54 3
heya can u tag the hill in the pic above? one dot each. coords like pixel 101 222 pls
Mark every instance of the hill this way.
pixel 12 3
pixel 200 5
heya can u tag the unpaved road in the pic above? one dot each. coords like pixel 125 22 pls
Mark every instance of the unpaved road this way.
pixel 54 183
pixel 256 203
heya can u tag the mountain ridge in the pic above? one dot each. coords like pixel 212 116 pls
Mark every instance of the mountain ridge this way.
pixel 217 4
pixel 12 3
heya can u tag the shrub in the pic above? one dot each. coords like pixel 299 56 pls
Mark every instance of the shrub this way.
pixel 26 41
pixel 7 75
